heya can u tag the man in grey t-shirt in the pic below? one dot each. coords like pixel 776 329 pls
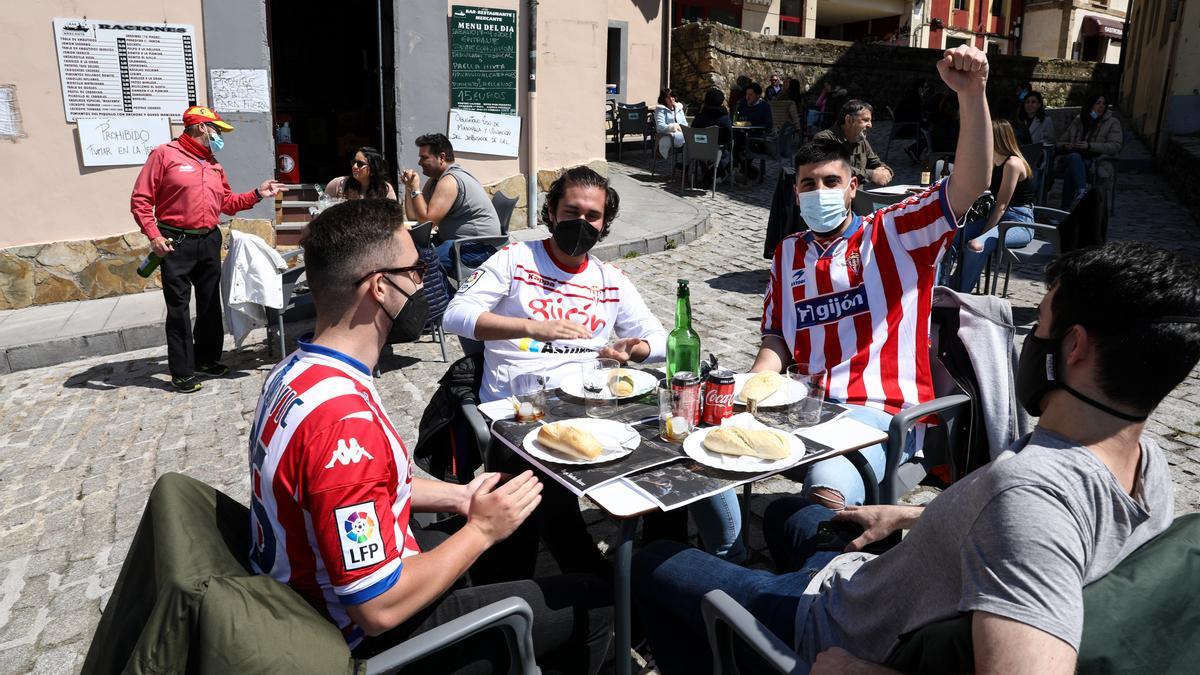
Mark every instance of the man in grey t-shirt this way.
pixel 1012 544
pixel 453 200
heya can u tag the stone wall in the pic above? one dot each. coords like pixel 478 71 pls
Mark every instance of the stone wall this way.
pixel 705 55
pixel 514 186
pixel 81 270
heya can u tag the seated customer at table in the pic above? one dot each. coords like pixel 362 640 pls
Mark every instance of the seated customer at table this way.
pixel 1032 117
pixel 1012 187
pixel 878 272
pixel 367 179
pixel 332 488
pixel 713 114
pixel 1012 544
pixel 669 120
pixel 572 303
pixel 1088 150
pixel 854 121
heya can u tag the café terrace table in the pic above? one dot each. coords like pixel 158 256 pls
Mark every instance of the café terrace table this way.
pixel 620 501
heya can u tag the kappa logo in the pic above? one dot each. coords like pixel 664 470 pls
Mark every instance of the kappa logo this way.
pixel 348 454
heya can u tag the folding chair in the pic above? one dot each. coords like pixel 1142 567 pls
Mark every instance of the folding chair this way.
pixel 631 119
pixel 1045 243
pixel 701 145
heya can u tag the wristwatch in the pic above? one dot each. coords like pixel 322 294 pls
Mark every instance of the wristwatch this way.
pixel 414 193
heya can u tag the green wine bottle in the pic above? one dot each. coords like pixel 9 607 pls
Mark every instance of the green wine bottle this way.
pixel 149 264
pixel 683 344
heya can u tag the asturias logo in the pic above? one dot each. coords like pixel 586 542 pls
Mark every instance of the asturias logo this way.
pixel 348 454
pixel 359 527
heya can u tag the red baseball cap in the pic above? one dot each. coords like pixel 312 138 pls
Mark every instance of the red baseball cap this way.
pixel 199 114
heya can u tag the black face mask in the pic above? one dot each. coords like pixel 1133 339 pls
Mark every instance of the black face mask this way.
pixel 1038 374
pixel 409 322
pixel 575 237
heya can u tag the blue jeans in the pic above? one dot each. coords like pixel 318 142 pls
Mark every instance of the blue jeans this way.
pixel 473 253
pixel 1075 176
pixel 669 581
pixel 719 521
pixel 973 262
pixel 840 475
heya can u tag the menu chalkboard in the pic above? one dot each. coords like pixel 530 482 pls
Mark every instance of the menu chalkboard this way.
pixel 483 59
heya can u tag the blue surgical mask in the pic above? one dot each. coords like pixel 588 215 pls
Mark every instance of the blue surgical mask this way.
pixel 1094 114
pixel 215 142
pixel 823 210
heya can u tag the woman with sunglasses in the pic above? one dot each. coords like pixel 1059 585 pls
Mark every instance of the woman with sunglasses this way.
pixel 367 179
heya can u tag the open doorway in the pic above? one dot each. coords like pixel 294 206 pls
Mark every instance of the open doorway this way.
pixel 331 86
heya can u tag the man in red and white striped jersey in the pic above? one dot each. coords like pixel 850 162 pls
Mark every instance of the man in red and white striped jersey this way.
pixel 333 488
pixel 852 296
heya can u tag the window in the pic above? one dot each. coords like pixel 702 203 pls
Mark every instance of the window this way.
pixel 614 64
pixel 952 42
pixel 960 5
pixel 790 20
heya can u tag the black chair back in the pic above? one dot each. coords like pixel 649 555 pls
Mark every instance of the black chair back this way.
pixel 504 206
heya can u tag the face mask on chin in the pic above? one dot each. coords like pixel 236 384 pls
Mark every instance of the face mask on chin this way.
pixel 823 210
pixel 575 237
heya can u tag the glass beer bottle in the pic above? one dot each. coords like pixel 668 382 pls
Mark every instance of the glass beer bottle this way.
pixel 683 344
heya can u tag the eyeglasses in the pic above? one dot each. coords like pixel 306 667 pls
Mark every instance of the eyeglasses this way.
pixel 420 268
pixel 359 163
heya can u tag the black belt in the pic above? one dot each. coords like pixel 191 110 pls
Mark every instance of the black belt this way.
pixel 188 234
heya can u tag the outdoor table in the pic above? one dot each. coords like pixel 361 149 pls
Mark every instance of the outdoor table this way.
pixel 744 131
pixel 896 189
pixel 607 486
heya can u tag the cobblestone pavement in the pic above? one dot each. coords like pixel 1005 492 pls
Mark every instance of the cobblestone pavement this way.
pixel 82 443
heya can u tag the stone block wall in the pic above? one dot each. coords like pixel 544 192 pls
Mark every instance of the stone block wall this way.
pixel 82 270
pixel 705 55
pixel 514 186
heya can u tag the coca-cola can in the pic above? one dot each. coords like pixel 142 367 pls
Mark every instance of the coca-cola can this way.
pixel 687 385
pixel 718 396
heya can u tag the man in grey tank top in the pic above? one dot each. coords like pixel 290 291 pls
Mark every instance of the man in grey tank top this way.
pixel 455 202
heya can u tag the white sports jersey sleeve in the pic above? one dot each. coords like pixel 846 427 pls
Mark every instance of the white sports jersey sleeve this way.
pixel 480 293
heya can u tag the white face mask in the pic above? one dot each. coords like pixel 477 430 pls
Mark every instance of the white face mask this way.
pixel 823 210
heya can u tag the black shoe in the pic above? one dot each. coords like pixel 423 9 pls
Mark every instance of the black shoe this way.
pixel 214 369
pixel 186 385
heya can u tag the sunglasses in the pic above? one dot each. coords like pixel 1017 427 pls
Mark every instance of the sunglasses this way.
pixel 420 268
pixel 359 163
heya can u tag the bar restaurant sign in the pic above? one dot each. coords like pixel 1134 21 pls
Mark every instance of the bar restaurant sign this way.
pixel 118 68
pixel 483 59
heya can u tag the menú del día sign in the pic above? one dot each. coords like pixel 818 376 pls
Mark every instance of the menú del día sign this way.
pixel 483 59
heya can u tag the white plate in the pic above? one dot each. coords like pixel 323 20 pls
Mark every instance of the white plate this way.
pixel 611 434
pixel 790 392
pixel 643 383
pixel 693 446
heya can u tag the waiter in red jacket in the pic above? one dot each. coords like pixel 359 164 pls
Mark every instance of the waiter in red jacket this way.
pixel 176 201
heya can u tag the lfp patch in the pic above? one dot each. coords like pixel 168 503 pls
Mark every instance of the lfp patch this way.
pixel 471 280
pixel 362 543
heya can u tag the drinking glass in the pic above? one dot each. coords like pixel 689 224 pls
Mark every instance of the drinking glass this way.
pixel 676 412
pixel 598 401
pixel 529 390
pixel 806 411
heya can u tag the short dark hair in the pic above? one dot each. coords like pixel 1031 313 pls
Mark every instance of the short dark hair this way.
pixel 853 107
pixel 582 176
pixel 346 241
pixel 663 94
pixel 437 144
pixel 1121 293
pixel 714 98
pixel 756 88
pixel 820 150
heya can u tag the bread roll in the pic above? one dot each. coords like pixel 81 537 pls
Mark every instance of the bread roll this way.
pixel 762 385
pixel 569 440
pixel 620 383
pixel 754 443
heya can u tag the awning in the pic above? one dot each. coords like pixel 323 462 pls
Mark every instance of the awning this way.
pixel 1103 26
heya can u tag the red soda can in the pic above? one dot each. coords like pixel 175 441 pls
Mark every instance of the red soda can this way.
pixel 718 396
pixel 687 384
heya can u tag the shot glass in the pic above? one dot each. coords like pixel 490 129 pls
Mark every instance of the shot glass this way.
pixel 529 392
pixel 806 411
pixel 676 412
pixel 598 401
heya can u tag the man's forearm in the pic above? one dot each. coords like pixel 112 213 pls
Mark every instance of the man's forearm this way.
pixel 772 355
pixel 491 326
pixel 416 206
pixel 973 156
pixel 435 496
